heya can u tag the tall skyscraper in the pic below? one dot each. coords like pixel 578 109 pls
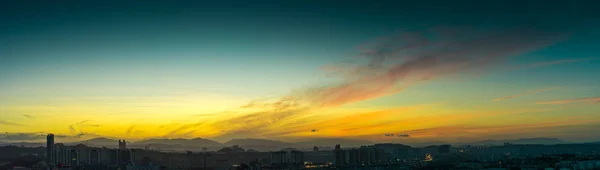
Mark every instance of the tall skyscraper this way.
pixel 122 144
pixel 94 157
pixel 340 156
pixel 50 149
pixel 73 157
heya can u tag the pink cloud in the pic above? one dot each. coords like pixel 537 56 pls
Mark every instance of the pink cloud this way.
pixel 417 57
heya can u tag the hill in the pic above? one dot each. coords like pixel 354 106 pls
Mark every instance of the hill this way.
pixel 259 144
pixel 196 142
pixel 106 142
pixel 522 141
pixel 330 142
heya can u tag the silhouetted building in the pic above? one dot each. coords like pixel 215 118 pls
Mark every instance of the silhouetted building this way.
pixel 61 154
pixel 315 149
pixel 73 157
pixel 353 156
pixel 113 157
pixel 297 157
pixel 125 157
pixel 278 157
pixel 340 156
pixel 50 149
pixel 363 155
pixel 122 144
pixel 94 156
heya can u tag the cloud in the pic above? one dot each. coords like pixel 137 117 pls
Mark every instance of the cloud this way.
pixel 130 130
pixel 397 62
pixel 403 135
pixel 27 136
pixel 531 92
pixel 185 128
pixel 205 115
pixel 21 136
pixel 279 105
pixel 384 67
pixel 582 100
pixel 251 120
pixel 549 63
pixel 28 116
pixel 78 127
pixel 487 131
pixel 2 122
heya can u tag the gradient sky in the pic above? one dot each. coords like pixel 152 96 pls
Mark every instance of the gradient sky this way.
pixel 438 71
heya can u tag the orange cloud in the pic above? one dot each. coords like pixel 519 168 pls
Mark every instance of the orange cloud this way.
pixel 584 100
pixel 531 92
pixel 393 64
pixel 453 131
pixel 414 57
pixel 397 121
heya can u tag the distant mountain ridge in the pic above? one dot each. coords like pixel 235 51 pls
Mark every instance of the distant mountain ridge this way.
pixel 541 141
pixel 106 142
pixel 196 144
pixel 255 141
pixel 334 141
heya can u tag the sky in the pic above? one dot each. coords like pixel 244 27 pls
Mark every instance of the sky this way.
pixel 437 71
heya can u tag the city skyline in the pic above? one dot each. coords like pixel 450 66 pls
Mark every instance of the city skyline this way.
pixel 295 71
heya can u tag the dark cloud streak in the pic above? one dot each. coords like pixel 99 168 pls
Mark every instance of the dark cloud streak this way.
pixel 416 57
pixel 2 122
pixel 28 116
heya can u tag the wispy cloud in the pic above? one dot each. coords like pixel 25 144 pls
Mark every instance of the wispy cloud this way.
pixel 549 63
pixel 582 100
pixel 390 65
pixel 77 129
pixel 130 130
pixel 479 131
pixel 27 136
pixel 531 92
pixel 2 122
pixel 28 116
pixel 400 61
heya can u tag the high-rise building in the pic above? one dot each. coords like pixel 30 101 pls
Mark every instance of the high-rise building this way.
pixel 340 156
pixel 278 157
pixel 73 157
pixel 297 157
pixel 124 157
pixel 113 157
pixel 122 144
pixel 94 156
pixel 353 156
pixel 60 154
pixel 50 148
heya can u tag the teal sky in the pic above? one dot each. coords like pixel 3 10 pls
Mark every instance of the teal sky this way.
pixel 90 60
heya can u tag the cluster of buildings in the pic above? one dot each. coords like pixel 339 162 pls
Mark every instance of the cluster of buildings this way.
pixel 59 156
pixel 374 157
pixel 359 156
pixel 287 160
